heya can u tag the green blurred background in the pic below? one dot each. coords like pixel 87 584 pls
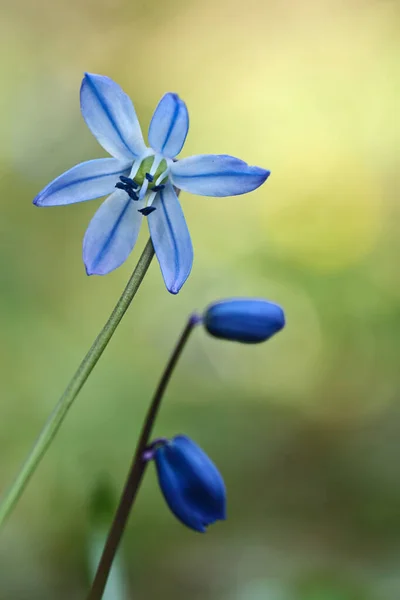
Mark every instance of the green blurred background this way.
pixel 306 428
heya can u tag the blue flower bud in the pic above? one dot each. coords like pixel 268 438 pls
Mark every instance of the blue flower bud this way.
pixel 247 320
pixel 190 482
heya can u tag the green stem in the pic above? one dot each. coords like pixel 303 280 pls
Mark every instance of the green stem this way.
pixel 75 385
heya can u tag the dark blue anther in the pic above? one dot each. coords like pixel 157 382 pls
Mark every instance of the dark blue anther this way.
pixel 158 188
pixel 129 182
pixel 126 180
pixel 149 177
pixel 147 210
pixel 132 194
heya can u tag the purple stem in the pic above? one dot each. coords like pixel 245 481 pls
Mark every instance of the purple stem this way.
pixel 137 469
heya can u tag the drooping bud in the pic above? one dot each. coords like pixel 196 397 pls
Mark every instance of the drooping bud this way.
pixel 246 320
pixel 190 482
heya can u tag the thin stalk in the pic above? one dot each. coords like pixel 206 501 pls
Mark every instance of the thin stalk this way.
pixel 137 470
pixel 75 385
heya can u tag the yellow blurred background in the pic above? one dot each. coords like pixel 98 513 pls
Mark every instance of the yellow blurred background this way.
pixel 306 428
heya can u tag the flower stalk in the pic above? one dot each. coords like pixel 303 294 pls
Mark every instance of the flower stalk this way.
pixel 137 469
pixel 75 385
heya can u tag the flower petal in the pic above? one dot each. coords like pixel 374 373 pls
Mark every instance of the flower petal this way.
pixel 111 234
pixel 111 117
pixel 86 181
pixel 171 239
pixel 216 175
pixel 169 126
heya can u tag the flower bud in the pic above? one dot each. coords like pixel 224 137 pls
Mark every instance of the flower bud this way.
pixel 190 482
pixel 247 320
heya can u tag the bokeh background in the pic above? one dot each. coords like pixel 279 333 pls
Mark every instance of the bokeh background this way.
pixel 306 428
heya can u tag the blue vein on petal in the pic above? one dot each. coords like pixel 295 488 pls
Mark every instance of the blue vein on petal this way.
pixel 172 125
pixel 229 174
pixel 109 115
pixel 105 247
pixel 169 225
pixel 76 182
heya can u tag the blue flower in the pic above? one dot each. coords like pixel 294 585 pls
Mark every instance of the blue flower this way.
pixel 248 320
pixel 141 181
pixel 190 482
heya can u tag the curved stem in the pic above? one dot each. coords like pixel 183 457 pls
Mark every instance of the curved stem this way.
pixel 136 471
pixel 75 385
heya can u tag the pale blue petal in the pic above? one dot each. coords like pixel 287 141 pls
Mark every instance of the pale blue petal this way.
pixel 171 239
pixel 216 175
pixel 169 126
pixel 111 117
pixel 86 181
pixel 111 234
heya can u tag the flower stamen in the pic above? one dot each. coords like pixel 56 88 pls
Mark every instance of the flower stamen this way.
pixel 129 182
pixel 128 188
pixel 158 188
pixel 147 210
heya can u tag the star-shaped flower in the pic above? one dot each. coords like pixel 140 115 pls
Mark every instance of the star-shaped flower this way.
pixel 141 181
